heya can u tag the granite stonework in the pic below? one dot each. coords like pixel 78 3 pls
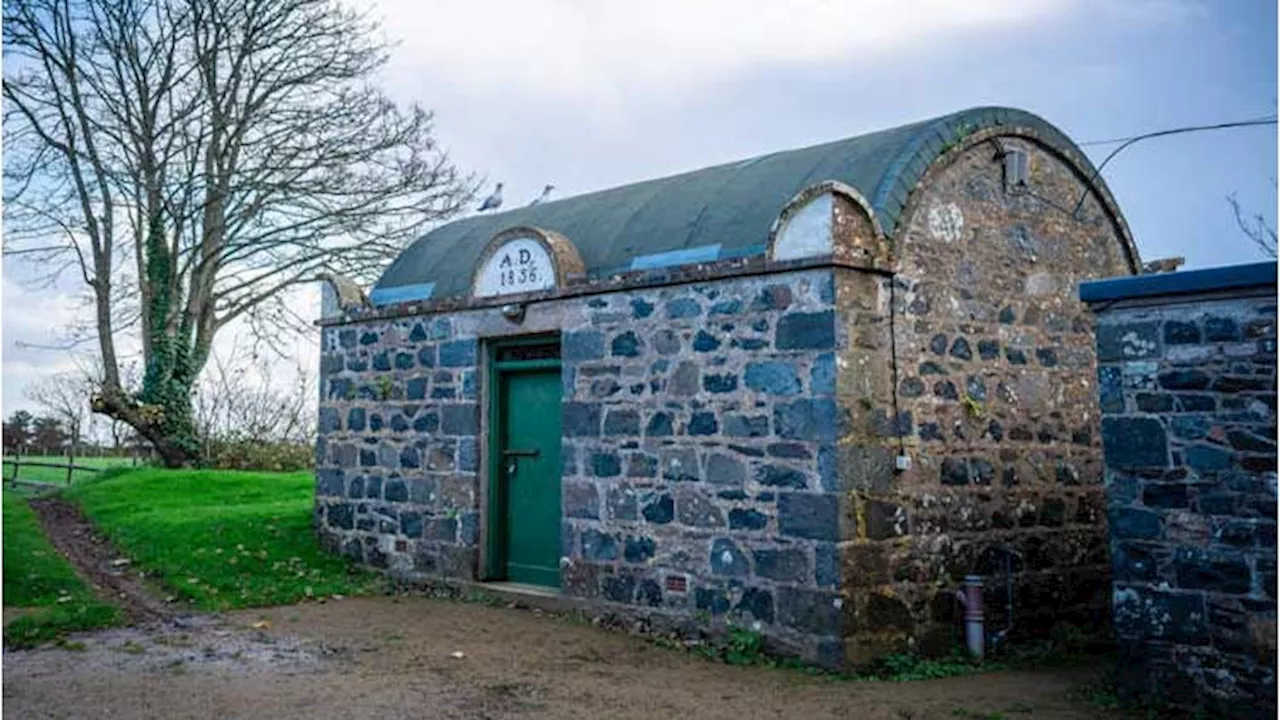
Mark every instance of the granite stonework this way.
pixel 730 440
pixel 1187 388
pixel 699 437
pixel 991 397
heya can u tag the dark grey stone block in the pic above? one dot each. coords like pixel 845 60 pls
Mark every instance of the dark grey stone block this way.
pixel 806 419
pixel 781 476
pixel 703 423
pixel 582 345
pixel 581 500
pixel 746 425
pixel 747 519
pixel 581 419
pixel 815 516
pixel 728 559
pixel 806 331
pixel 775 378
pixel 816 612
pixel 598 546
pixel 1199 569
pixel 790 565
pixel 638 549
pixel 606 464
pixel 725 470
pixel 619 421
pixel 460 419
pixel 705 342
pixel 1133 523
pixel 660 510
pixel 757 603
pixel 626 345
pixel 682 308
pixel 1134 442
pixel 718 383
pixel 1128 341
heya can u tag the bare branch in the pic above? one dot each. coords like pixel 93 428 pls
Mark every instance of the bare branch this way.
pixel 224 151
pixel 1256 228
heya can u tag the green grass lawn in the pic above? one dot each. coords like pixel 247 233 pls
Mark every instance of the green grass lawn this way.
pixel 58 475
pixel 221 540
pixel 37 576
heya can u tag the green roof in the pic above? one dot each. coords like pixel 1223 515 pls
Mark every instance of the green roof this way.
pixel 720 212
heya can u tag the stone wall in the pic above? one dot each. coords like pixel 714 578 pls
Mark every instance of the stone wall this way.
pixel 1187 387
pixel 699 424
pixel 991 398
pixel 699 479
pixel 397 454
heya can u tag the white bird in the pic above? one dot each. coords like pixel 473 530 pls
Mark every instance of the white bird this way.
pixel 545 196
pixel 493 201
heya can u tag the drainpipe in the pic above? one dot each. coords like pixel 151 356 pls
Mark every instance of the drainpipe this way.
pixel 970 598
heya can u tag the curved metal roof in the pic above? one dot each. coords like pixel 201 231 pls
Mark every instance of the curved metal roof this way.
pixel 720 212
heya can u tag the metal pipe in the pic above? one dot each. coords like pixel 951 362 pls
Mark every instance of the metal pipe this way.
pixel 970 597
pixel 1009 597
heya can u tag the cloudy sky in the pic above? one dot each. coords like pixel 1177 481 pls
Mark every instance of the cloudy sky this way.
pixel 586 94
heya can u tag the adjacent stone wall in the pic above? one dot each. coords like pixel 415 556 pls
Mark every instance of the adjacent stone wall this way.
pixel 699 423
pixel 1187 387
pixel 992 400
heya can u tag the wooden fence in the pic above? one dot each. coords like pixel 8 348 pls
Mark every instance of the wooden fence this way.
pixel 20 462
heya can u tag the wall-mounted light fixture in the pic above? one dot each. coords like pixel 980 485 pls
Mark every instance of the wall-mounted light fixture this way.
pixel 513 312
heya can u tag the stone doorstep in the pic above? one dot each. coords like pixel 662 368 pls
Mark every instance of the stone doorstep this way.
pixel 534 596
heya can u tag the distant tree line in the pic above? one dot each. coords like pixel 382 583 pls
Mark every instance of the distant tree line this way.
pixel 27 434
pixel 248 415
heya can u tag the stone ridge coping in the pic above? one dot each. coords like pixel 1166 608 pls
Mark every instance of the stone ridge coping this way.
pixel 640 279
pixel 1187 282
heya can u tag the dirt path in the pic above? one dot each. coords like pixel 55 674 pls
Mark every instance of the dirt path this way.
pixel 413 657
pixel 92 556
pixel 394 658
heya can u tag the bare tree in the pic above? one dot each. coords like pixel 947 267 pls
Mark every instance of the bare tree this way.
pixel 195 160
pixel 241 401
pixel 1256 228
pixel 65 396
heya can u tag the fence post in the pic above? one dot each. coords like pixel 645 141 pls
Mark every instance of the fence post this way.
pixel 71 461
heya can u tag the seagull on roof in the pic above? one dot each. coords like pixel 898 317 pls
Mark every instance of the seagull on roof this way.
pixel 493 201
pixel 545 196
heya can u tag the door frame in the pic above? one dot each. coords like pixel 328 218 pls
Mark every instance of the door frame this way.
pixel 495 369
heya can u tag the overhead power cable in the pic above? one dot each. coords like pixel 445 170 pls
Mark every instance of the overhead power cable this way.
pixel 1126 142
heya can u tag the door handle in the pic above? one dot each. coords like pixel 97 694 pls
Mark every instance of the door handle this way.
pixel 512 455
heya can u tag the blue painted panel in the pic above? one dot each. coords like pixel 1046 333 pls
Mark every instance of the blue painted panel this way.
pixel 401 293
pixel 686 256
pixel 1184 282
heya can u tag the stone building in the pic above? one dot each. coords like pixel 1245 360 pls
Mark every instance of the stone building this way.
pixel 807 392
pixel 1187 387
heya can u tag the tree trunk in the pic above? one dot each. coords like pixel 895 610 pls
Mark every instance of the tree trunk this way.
pixel 167 426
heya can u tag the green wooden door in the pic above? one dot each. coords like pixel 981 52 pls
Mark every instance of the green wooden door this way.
pixel 529 475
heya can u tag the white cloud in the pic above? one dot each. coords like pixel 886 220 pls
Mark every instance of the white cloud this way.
pixel 566 49
pixel 35 320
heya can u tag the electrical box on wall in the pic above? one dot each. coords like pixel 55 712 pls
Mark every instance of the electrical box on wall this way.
pixel 1017 169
